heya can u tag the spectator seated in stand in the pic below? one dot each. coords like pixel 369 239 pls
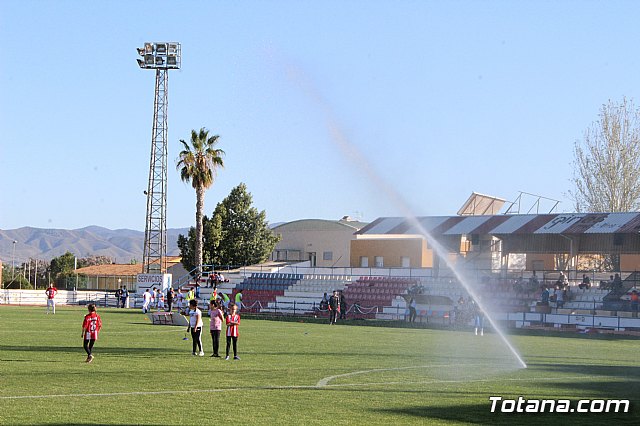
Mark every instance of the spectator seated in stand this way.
pixel 212 280
pixel 586 283
pixel 606 285
pixel 616 283
pixel 324 303
pixel 526 286
pixel 518 285
pixel 562 280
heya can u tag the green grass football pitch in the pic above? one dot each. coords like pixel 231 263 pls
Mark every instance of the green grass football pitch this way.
pixel 298 373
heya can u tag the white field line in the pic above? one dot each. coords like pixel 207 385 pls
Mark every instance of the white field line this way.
pixel 326 380
pixel 317 386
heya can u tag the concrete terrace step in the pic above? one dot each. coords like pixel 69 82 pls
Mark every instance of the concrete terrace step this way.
pixel 314 289
pixel 323 283
pixel 304 294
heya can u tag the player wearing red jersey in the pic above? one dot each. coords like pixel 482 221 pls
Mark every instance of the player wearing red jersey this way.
pixel 90 328
pixel 51 303
pixel 233 321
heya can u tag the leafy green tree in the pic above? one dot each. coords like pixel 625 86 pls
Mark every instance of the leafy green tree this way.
pixel 211 241
pixel 197 164
pixel 18 281
pixel 187 246
pixel 62 265
pixel 95 260
pixel 236 234
pixel 242 232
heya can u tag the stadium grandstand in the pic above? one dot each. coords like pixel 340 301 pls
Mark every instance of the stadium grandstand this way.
pixel 508 260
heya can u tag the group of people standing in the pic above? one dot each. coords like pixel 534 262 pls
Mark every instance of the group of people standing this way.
pixel 467 310
pixel 217 317
pixel 336 304
pixel 122 294
pixel 220 311
pixel 155 298
pixel 215 278
pixel 224 299
pixel 557 293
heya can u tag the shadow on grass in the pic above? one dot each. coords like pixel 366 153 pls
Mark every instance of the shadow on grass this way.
pixel 625 371
pixel 617 389
pixel 481 414
pixel 629 387
pixel 146 351
pixel 570 334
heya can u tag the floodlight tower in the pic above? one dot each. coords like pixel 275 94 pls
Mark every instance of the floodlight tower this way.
pixel 160 57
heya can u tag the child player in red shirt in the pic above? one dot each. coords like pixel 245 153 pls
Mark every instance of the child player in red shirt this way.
pixel 90 328
pixel 233 321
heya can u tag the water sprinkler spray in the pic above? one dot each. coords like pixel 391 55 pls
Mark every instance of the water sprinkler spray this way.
pixel 352 152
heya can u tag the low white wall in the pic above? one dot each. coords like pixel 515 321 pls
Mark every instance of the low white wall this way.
pixel 582 321
pixel 63 297
pixel 304 269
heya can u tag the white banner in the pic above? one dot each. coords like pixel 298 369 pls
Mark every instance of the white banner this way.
pixel 160 281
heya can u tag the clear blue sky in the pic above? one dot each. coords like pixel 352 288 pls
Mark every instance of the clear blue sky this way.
pixel 441 97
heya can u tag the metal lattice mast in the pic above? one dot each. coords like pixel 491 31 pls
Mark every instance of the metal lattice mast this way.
pixel 161 57
pixel 155 235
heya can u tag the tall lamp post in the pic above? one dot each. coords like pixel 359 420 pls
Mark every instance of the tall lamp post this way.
pixel 13 261
pixel 161 57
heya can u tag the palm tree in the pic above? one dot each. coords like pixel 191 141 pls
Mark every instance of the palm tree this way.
pixel 197 164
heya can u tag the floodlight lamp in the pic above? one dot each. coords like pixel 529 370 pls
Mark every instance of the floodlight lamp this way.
pixel 161 49
pixel 140 63
pixel 159 60
pixel 148 48
pixel 148 59
pixel 173 49
pixel 172 61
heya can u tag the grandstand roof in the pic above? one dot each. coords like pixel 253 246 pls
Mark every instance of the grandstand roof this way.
pixel 320 225
pixel 561 223
pixel 588 232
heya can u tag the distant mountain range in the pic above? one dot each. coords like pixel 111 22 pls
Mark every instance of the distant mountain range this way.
pixel 123 245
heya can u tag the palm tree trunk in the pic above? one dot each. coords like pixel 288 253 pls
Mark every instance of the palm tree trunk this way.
pixel 199 231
